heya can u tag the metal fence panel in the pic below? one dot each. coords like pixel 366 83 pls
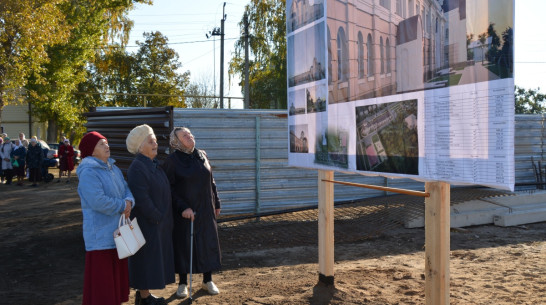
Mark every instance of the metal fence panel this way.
pixel 248 151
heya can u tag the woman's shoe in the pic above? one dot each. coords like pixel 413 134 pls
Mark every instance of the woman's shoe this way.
pixel 210 288
pixel 153 300
pixel 182 291
pixel 137 297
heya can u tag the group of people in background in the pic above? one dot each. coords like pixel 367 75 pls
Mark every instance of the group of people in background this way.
pixel 165 198
pixel 22 158
pixel 19 157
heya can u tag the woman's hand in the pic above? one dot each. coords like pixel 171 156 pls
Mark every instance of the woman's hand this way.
pixel 188 213
pixel 217 212
pixel 127 210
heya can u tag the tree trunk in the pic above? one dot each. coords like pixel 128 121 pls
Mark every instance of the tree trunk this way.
pixel 51 131
pixel 1 102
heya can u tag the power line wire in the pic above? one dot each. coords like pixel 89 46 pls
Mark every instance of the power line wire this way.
pixel 150 94
pixel 137 46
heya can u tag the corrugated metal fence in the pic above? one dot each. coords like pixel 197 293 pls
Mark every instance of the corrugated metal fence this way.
pixel 529 147
pixel 248 150
pixel 115 125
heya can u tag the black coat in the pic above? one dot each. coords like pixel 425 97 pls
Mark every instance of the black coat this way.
pixel 193 186
pixel 152 266
pixel 35 156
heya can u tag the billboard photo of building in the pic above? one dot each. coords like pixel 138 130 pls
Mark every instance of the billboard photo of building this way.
pixel 404 88
pixel 296 102
pixel 306 56
pixel 387 139
pixel 298 139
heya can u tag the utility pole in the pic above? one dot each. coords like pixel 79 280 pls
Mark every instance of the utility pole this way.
pixel 29 120
pixel 247 85
pixel 215 32
pixel 222 57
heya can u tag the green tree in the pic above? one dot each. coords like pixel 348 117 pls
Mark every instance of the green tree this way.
pixel 156 72
pixel 507 50
pixel 469 52
pixel 150 77
pixel 483 39
pixel 92 25
pixel 529 101
pixel 27 28
pixel 112 79
pixel 267 44
pixel 200 94
pixel 494 49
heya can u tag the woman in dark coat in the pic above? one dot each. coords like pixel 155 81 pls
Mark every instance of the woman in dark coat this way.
pixel 152 266
pixel 19 153
pixel 193 191
pixel 34 161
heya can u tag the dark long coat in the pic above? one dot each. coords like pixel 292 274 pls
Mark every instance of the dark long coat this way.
pixel 152 266
pixel 35 156
pixel 193 186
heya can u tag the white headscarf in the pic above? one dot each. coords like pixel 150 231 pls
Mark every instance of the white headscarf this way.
pixel 17 144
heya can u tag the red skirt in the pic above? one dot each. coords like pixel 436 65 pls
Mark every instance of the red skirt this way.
pixel 106 278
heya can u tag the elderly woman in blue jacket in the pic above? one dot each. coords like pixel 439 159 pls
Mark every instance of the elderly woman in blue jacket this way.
pixel 104 197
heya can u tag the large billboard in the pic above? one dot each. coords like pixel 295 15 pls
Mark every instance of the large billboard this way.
pixel 420 89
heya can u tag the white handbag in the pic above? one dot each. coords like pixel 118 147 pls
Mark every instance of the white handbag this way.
pixel 128 237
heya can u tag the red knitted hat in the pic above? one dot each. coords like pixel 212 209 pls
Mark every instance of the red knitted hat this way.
pixel 88 143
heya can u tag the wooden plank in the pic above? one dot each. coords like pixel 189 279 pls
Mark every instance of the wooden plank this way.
pixel 326 227
pixel 381 188
pixel 437 224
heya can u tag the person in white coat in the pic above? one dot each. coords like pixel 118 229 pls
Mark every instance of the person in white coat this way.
pixel 5 155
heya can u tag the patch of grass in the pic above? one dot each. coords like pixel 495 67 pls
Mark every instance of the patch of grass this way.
pixel 501 71
pixel 452 79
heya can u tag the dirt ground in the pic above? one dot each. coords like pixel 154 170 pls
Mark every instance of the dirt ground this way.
pixel 275 262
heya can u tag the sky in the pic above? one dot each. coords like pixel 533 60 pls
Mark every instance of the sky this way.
pixel 185 23
pixel 480 14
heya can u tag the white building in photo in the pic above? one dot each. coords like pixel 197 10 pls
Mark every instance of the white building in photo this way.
pixel 479 50
pixel 409 54
pixel 370 42
pixel 456 49
pixel 302 12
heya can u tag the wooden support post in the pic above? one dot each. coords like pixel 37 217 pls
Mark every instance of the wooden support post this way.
pixel 326 227
pixel 437 226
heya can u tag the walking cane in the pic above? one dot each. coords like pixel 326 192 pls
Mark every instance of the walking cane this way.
pixel 191 258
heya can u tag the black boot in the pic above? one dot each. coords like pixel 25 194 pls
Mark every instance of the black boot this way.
pixel 152 300
pixel 137 297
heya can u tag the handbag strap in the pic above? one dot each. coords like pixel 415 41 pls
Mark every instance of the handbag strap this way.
pixel 124 221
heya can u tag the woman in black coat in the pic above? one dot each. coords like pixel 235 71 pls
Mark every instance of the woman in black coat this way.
pixel 152 266
pixel 194 199
pixel 34 160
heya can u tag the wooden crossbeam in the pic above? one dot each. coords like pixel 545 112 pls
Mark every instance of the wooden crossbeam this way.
pixel 382 188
